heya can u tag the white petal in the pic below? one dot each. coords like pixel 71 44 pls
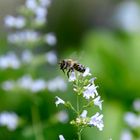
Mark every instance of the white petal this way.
pixel 84 114
pixel 50 38
pixel 59 101
pixel 97 102
pixel 126 135
pixel 72 77
pixel 90 91
pixel 87 72
pixel 61 137
pixel 136 104
pixel 96 120
pixel 9 119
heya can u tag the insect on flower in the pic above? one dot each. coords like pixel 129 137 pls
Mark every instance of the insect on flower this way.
pixel 70 65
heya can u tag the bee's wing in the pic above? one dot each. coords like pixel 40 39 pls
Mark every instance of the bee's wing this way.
pixel 77 56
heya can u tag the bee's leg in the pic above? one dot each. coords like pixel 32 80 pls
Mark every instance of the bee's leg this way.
pixel 70 70
pixel 63 71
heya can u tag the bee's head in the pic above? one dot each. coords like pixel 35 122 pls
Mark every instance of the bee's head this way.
pixel 61 63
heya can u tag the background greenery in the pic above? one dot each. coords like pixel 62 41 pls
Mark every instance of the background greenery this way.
pixel 85 29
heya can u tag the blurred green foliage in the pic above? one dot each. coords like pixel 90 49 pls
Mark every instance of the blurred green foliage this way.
pixel 113 57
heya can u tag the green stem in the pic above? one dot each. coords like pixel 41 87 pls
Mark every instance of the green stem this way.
pixel 78 112
pixel 37 126
pixel 79 136
pixel 78 105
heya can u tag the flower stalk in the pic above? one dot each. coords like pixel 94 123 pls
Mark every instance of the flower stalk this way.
pixel 85 89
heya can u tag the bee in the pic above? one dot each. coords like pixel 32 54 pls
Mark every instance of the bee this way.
pixel 70 65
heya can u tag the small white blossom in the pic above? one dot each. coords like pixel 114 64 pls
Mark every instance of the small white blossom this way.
pixel 127 16
pixel 97 102
pixel 15 22
pixel 31 4
pixel 96 120
pixel 59 101
pixel 9 21
pixel 24 36
pixel 126 135
pixel 62 116
pixel 27 56
pixel 8 85
pixel 40 20
pixel 61 137
pixel 132 119
pixel 136 105
pixel 45 3
pixel 38 85
pixel 51 57
pixel 41 12
pixel 87 72
pixel 56 84
pixel 72 76
pixel 90 91
pixel 27 82
pixel 9 60
pixel 92 80
pixel 9 119
pixel 50 38
pixel 84 114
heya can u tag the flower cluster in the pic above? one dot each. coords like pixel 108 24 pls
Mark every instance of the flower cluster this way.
pixel 11 60
pixel 35 53
pixel 9 119
pixel 84 87
pixel 26 82
pixel 132 120
pixel 33 16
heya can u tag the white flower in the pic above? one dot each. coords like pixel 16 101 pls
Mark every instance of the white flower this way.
pixel 96 120
pixel 51 57
pixel 38 85
pixel 45 3
pixel 127 16
pixel 90 91
pixel 97 102
pixel 41 12
pixel 59 101
pixel 87 72
pixel 136 105
pixel 131 119
pixel 62 116
pixel 9 119
pixel 126 135
pixel 92 80
pixel 40 20
pixel 50 38
pixel 56 84
pixel 15 22
pixel 72 76
pixel 25 82
pixel 27 56
pixel 8 85
pixel 20 22
pixel 61 137
pixel 9 21
pixel 10 60
pixel 84 114
pixel 31 4
pixel 28 83
pixel 24 36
